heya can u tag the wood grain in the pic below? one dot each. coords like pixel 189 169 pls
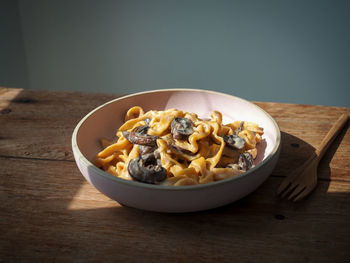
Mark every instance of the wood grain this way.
pixel 49 213
pixel 36 223
pixel 39 124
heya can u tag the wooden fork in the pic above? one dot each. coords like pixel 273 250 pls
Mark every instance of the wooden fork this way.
pixel 303 180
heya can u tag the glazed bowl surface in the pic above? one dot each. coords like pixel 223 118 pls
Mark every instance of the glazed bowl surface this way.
pixel 104 121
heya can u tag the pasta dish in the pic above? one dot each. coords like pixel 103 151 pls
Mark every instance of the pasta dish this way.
pixel 174 147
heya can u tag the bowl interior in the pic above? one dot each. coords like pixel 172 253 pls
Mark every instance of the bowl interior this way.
pixel 104 121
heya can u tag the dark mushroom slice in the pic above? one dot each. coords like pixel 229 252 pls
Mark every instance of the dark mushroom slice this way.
pixel 240 128
pixel 245 161
pixel 181 128
pixel 180 150
pixel 147 169
pixel 141 129
pixel 234 141
pixel 139 136
pixel 175 148
pixel 144 149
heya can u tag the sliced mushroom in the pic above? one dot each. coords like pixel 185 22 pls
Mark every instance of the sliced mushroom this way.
pixel 141 129
pixel 175 148
pixel 234 141
pixel 240 128
pixel 139 136
pixel 180 150
pixel 144 149
pixel 147 169
pixel 245 161
pixel 181 128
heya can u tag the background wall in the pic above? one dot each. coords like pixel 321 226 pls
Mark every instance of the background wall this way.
pixel 283 51
pixel 13 66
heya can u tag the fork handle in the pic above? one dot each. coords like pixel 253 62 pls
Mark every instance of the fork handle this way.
pixel 331 135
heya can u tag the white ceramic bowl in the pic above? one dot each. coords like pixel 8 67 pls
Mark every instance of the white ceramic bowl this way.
pixel 103 122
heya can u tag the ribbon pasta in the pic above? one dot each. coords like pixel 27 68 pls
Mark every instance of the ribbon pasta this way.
pixel 203 156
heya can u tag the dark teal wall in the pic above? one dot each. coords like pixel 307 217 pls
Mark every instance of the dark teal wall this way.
pixel 283 51
pixel 13 66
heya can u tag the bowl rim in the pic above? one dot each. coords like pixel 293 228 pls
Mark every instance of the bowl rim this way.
pixel 90 165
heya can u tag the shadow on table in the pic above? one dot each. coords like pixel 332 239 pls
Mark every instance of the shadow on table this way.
pixel 260 222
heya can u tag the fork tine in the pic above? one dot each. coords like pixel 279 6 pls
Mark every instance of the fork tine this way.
pixel 286 184
pixel 303 194
pixel 283 186
pixel 291 187
pixel 291 179
pixel 297 191
pixel 283 189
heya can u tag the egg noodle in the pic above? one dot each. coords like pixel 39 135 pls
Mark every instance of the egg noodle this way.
pixel 210 152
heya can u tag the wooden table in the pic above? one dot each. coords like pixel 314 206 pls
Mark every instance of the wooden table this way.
pixel 49 213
